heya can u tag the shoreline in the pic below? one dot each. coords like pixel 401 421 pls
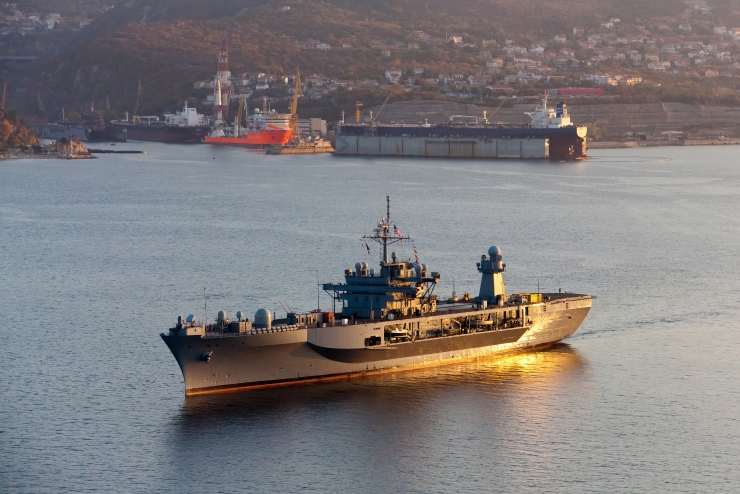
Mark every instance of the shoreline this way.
pixel 636 144
pixel 47 156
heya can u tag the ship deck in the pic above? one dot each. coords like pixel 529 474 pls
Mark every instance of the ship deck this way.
pixel 444 308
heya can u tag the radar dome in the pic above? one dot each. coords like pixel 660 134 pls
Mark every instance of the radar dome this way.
pixel 263 319
pixel 494 251
pixel 222 316
pixel 239 315
pixel 358 266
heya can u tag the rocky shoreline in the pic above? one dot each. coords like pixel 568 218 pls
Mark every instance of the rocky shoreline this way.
pixel 70 149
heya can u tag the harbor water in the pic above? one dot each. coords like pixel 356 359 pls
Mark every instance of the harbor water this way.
pixel 98 257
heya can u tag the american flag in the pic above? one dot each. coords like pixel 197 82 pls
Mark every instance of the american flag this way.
pixel 397 233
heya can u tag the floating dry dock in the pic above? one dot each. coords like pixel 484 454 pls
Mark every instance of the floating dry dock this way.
pixel 550 135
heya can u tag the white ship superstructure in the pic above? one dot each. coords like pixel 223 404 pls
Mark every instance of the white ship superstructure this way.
pixel 544 117
pixel 188 117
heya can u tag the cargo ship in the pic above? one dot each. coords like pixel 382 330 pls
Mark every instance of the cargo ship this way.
pixel 185 127
pixel 382 320
pixel 550 134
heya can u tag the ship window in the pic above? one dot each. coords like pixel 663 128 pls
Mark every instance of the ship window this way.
pixel 376 298
pixel 566 305
pixel 366 299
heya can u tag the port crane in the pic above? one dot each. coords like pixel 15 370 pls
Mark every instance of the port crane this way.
pixel 293 106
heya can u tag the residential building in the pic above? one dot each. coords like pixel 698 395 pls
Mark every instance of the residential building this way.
pixel 393 76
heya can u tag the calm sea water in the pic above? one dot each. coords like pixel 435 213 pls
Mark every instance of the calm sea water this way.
pixel 98 257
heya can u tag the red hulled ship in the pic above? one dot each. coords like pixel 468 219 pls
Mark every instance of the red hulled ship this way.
pixel 262 128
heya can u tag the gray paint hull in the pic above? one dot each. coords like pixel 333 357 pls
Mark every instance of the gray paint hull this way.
pixel 271 359
pixel 443 147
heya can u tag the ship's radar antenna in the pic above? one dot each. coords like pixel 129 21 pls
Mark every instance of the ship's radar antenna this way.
pixel 386 233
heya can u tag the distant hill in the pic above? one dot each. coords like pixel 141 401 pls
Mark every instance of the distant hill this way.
pixel 169 44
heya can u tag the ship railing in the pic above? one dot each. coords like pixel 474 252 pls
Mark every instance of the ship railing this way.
pixel 255 331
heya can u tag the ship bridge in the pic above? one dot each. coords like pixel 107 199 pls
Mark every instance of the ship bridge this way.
pixel 399 288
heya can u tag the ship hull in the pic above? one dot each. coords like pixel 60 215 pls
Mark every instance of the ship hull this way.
pixel 107 134
pixel 282 358
pixel 254 139
pixel 163 133
pixel 57 131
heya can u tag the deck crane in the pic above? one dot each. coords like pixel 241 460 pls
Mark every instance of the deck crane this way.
pixel 357 111
pixel 293 106
pixel 384 103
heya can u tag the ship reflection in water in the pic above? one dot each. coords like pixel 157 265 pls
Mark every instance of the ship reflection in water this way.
pixel 513 402
pixel 508 380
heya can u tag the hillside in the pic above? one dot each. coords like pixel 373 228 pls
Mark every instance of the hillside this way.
pixel 169 44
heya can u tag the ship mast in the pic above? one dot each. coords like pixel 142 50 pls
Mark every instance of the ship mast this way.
pixel 387 222
pixel 382 234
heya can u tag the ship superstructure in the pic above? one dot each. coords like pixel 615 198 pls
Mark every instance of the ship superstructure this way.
pixel 544 117
pixel 387 319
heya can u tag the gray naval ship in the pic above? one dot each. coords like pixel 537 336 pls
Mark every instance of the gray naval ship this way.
pixel 390 320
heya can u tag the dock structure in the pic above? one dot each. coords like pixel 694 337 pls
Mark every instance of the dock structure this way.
pixel 443 147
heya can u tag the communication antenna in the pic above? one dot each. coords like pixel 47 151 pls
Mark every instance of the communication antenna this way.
pixel 205 309
pixel 318 291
